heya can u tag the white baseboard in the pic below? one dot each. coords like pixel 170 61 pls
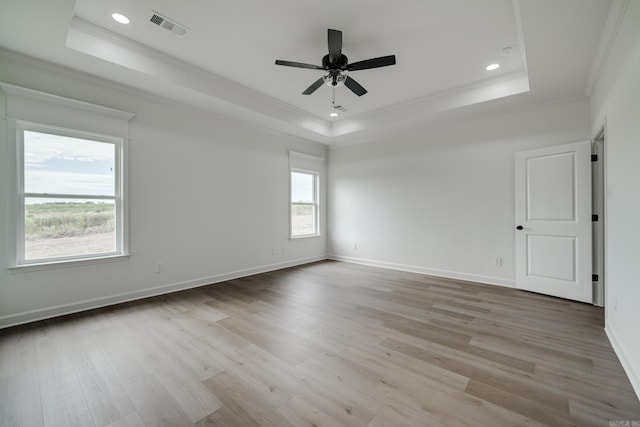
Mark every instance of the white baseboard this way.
pixel 60 310
pixel 428 271
pixel 629 368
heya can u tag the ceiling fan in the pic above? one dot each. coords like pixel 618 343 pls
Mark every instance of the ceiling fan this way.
pixel 338 66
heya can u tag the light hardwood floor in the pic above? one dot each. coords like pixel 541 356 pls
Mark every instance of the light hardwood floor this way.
pixel 326 344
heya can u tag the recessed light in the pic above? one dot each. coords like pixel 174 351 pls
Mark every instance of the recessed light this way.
pixel 334 114
pixel 120 18
pixel 493 67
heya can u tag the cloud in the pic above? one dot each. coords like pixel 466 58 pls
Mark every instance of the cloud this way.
pixel 42 147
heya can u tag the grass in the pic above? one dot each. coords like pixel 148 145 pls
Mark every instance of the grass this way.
pixel 301 210
pixel 63 219
pixel 302 220
pixel 52 220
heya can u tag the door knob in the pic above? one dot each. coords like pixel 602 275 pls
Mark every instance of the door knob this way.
pixel 519 227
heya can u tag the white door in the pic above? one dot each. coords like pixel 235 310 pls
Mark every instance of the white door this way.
pixel 553 221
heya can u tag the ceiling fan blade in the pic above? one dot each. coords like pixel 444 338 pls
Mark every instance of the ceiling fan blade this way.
pixel 382 61
pixel 354 86
pixel 335 44
pixel 298 65
pixel 314 86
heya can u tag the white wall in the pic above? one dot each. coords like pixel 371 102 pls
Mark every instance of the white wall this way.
pixel 616 100
pixel 439 199
pixel 208 198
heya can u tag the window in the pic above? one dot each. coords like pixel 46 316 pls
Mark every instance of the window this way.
pixel 305 172
pixel 67 176
pixel 304 203
pixel 69 194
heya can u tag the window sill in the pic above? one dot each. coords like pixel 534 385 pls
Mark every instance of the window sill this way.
pixel 47 265
pixel 306 236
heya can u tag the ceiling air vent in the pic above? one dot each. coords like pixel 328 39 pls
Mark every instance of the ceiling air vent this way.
pixel 168 24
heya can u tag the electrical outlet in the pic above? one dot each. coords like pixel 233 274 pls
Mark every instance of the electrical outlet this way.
pixel 615 304
pixel 355 246
pixel 159 267
pixel 497 261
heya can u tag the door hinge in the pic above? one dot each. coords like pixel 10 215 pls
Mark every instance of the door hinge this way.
pixel 594 157
pixel 594 277
pixel 594 217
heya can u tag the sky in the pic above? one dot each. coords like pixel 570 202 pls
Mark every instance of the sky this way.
pixel 65 165
pixel 301 187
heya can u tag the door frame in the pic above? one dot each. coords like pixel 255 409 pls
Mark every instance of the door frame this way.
pixel 599 201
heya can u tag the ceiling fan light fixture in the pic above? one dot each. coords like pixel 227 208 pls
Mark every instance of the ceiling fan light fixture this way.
pixel 333 114
pixel 118 17
pixel 493 67
pixel 335 80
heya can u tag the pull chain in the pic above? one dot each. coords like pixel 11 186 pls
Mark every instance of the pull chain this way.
pixel 333 102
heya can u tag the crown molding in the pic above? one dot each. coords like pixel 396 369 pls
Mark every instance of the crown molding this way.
pixel 519 30
pixel 207 87
pixel 93 40
pixel 33 63
pixel 466 114
pixel 421 109
pixel 614 20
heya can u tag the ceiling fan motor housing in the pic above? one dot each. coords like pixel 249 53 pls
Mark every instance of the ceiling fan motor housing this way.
pixel 339 63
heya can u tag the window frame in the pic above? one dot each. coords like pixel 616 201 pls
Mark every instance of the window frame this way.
pixel 118 198
pixel 315 204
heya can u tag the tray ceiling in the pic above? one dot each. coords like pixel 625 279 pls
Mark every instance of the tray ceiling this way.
pixel 225 61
